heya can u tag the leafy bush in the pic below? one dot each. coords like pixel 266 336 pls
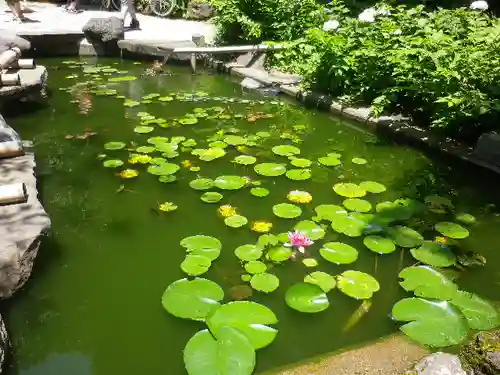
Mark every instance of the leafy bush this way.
pixel 440 67
pixel 253 21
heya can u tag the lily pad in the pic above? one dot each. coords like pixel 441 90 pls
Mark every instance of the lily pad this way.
pixel 195 265
pixel 167 179
pixel 480 314
pixel 131 103
pixel 114 145
pixel 145 149
pixel 325 281
pixel 209 154
pixel 426 282
pixel 202 245
pixel 143 129
pixel 218 144
pixel 405 237
pixel 248 252
pixel 372 187
pixel 163 169
pixel 201 184
pixel 259 192
pixel 157 140
pixel 265 282
pixel 310 262
pixel 465 218
pixel 188 120
pixel 329 211
pixel 301 162
pixel 279 254
pixel 167 207
pixel 231 354
pixel 236 221
pixel 122 78
pixel 192 299
pixel 249 317
pixel 358 285
pixel 298 174
pixel 313 230
pixel 307 298
pixel 356 204
pixel 287 210
pixel 286 150
pixel 380 245
pixel 338 253
pixel 112 163
pixel 349 190
pixel 254 267
pixel 452 230
pixel 270 169
pixel 434 254
pixel 359 161
pixel 431 323
pixel 235 140
pixel 330 161
pixel 230 182
pixel 245 159
pixel 211 197
pixel 351 225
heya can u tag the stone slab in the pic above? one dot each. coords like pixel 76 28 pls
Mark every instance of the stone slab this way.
pixel 31 83
pixel 155 48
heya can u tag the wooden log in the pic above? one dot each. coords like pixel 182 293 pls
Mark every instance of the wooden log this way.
pixel 13 193
pixel 10 79
pixel 10 149
pixel 23 64
pixel 8 57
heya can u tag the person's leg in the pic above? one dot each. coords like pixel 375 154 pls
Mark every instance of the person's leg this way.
pixel 124 9
pixel 15 8
pixel 135 22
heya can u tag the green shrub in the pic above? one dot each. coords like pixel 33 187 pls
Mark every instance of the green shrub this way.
pixel 442 68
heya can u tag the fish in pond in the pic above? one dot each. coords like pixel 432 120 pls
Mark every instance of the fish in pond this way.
pixel 358 314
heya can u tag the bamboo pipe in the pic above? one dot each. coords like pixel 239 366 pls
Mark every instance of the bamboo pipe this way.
pixel 10 79
pixel 9 57
pixel 10 149
pixel 23 64
pixel 13 193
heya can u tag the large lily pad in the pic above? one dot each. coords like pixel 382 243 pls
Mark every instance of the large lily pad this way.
pixel 286 150
pixel 231 354
pixel 195 265
pixel 245 159
pixel 143 129
pixel 351 225
pixel 265 282
pixel 465 218
pixel 164 169
pixel 426 282
pixel 211 197
pixel 114 145
pixel 313 230
pixel 452 230
pixel 287 210
pixel 372 187
pixel 432 323
pixel 329 211
pixel 209 154
pixel 249 317
pixel 259 192
pixel 201 184
pixel 279 253
pixel 357 284
pixel 235 140
pixel 307 298
pixel 405 237
pixel 380 245
pixel 300 162
pixel 480 314
pixel 322 279
pixel 339 253
pixel 349 190
pixel 270 169
pixel 255 266
pixel 434 254
pixel 248 252
pixel 192 299
pixel 230 182
pixel 188 120
pixel 202 245
pixel 298 174
pixel 356 204
pixel 236 221
pixel 330 161
pixel 115 163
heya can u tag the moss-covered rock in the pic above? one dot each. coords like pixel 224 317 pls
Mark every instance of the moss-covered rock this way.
pixel 482 355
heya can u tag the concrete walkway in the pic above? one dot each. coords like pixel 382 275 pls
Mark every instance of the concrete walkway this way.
pixel 51 19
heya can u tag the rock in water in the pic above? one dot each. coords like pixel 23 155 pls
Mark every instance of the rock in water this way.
pixel 439 364
pixel 199 10
pixel 104 29
pixel 482 355
pixel 9 40
pixel 250 83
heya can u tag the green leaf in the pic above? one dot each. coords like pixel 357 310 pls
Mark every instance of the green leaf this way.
pixel 163 169
pixel 434 254
pixel 372 187
pixel 270 169
pixel 112 163
pixel 249 317
pixel 330 161
pixel 287 210
pixel 265 282
pixel 211 197
pixel 254 266
pixel 279 254
pixel 338 253
pixel 432 323
pixel 202 245
pixel 231 354
pixel 380 245
pixel 426 282
pixel 245 159
pixel 192 299
pixel 235 221
pixel 349 190
pixel 452 230
pixel 143 129
pixel 286 150
pixel 480 314
pixel 300 162
pixel 359 161
pixel 230 182
pixel 209 154
pixel 299 174
pixel 248 252
pixel 114 145
pixel 157 140
pixel 259 192
pixel 122 79
pixel 188 120
pixel 145 149
pixel 357 284
pixel 404 236
pixel 465 218
pixel 313 230
pixel 351 225
pixel 329 211
pixel 307 298
pixel 201 184
pixel 356 204
pixel 195 265
pixel 322 279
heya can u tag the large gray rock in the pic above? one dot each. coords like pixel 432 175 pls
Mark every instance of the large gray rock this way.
pixel 9 39
pixel 439 364
pixel 481 356
pixel 104 29
pixel 200 10
pixel 488 148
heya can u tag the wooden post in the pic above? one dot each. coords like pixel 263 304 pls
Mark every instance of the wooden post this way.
pixel 13 193
pixel 23 64
pixel 10 149
pixel 9 57
pixel 10 79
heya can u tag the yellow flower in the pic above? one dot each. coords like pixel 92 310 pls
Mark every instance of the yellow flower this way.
pixel 227 210
pixel 441 240
pixel 167 207
pixel 129 173
pixel 186 164
pixel 143 159
pixel 261 226
pixel 297 196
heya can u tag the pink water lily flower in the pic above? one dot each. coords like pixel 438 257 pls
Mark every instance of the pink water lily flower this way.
pixel 298 239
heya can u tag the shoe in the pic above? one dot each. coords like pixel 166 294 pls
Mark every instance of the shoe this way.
pixel 134 25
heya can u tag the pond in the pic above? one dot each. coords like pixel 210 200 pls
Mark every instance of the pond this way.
pixel 94 303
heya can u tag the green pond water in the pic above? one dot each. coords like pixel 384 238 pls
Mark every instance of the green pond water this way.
pixel 93 304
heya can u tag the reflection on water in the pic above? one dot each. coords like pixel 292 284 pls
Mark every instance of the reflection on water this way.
pixel 61 364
